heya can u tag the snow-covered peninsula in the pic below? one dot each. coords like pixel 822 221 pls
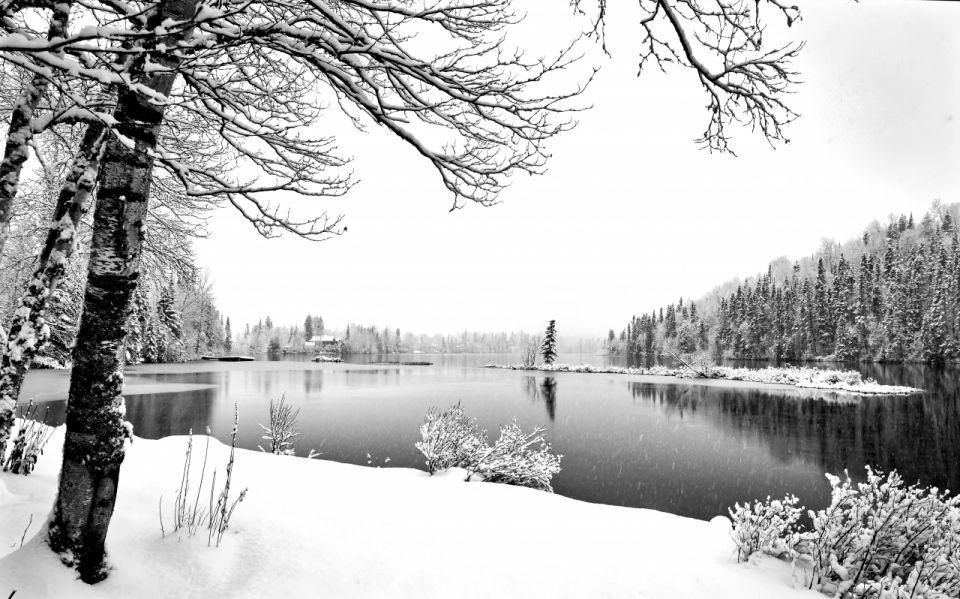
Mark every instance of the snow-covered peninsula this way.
pixel 796 376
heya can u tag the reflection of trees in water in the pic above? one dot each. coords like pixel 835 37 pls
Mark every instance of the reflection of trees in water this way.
pixel 156 415
pixel 549 390
pixel 919 436
pixel 546 390
pixel 312 381
pixel 362 378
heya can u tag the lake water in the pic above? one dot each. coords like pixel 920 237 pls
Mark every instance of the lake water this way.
pixel 670 445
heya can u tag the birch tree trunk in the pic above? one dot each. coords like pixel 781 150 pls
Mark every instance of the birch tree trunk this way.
pixel 17 150
pixel 28 329
pixel 94 445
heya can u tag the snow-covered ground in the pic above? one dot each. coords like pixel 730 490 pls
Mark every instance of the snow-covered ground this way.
pixel 804 377
pixel 319 528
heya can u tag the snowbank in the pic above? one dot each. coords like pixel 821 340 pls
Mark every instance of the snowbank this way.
pixel 320 528
pixel 804 377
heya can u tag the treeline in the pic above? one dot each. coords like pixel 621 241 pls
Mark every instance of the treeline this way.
pixel 266 337
pixel 175 322
pixel 361 339
pixel 891 295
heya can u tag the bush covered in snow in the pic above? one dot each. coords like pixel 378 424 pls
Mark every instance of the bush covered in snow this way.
pixel 518 459
pixel 769 526
pixel 877 539
pixel 449 439
pixel 283 432
pixel 883 539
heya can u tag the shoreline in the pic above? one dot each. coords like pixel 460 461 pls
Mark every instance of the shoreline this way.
pixel 364 533
pixel 776 377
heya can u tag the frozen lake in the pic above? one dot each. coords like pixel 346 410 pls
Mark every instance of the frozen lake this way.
pixel 674 446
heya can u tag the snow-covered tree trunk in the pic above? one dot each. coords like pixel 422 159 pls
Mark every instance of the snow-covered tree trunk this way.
pixel 28 329
pixel 93 449
pixel 20 133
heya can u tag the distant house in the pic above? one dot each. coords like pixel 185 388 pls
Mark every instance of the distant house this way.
pixel 324 342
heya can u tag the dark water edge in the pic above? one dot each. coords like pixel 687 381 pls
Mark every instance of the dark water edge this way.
pixel 683 448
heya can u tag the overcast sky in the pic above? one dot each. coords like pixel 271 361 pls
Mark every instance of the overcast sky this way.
pixel 630 215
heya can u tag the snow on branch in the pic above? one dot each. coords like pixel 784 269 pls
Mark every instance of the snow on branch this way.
pixel 449 440
pixel 254 74
pixel 722 41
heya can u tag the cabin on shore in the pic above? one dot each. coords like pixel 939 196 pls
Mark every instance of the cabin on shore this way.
pixel 327 343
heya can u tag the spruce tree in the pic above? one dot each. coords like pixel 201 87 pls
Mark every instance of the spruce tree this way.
pixel 318 325
pixel 227 336
pixel 548 348
pixel 134 338
pixel 308 328
pixel 168 314
pixel 670 323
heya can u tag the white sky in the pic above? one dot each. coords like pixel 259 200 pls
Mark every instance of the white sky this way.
pixel 630 214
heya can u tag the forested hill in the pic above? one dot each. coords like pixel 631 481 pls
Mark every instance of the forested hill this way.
pixel 891 294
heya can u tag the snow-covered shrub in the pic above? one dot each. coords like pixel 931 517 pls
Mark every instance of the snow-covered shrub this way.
pixel 449 439
pixel 658 370
pixel 529 352
pixel 832 377
pixel 28 443
pixel 877 540
pixel 768 526
pixel 519 459
pixel 883 539
pixel 698 364
pixel 283 429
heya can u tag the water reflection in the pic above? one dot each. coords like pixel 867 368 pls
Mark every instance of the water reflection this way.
pixel 549 389
pixel 545 390
pixel 684 448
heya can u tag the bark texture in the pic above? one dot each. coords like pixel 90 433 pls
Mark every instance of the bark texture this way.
pixel 28 329
pixel 94 446
pixel 16 150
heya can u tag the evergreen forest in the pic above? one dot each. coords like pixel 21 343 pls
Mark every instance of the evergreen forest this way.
pixel 889 295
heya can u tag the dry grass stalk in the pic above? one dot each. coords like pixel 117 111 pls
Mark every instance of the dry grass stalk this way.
pixel 216 515
pixel 32 436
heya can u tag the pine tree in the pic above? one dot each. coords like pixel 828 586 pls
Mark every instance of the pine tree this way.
pixel 308 328
pixel 548 348
pixel 134 338
pixel 670 323
pixel 168 314
pixel 821 309
pixel 318 325
pixel 702 342
pixel 227 336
